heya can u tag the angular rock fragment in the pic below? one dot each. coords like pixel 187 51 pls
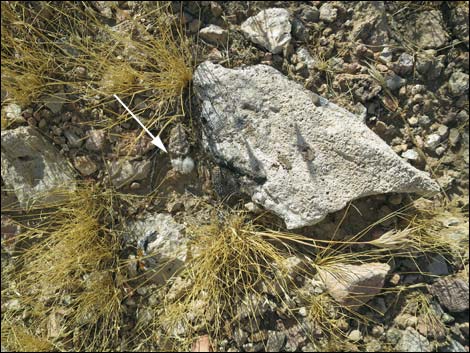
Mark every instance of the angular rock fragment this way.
pixel 354 285
pixel 412 341
pixel 214 34
pixel 123 172
pixel 179 144
pixel 85 165
pixel 270 28
pixel 459 22
pixel 452 293
pixel 370 23
pixel 31 166
pixel 96 140
pixel 299 156
pixel 328 13
pixel 428 30
pixel 162 242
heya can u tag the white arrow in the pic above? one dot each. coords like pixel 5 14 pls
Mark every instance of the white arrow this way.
pixel 155 140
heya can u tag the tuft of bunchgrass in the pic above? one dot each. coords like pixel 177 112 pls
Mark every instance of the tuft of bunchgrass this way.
pixel 228 265
pixel 64 274
pixel 70 49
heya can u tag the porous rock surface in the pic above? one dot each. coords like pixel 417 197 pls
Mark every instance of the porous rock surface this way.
pixel 300 156
pixel 162 241
pixel 31 166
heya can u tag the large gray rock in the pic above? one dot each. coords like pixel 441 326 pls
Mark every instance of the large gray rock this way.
pixel 270 28
pixel 300 156
pixel 32 167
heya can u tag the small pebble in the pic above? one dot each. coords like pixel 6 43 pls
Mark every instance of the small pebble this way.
pixel 424 121
pixel 355 336
pixel 454 136
pixel 442 130
pixel 432 141
pixel 377 331
pixel 413 121
pixel 395 279
pixel 135 185
pixel 440 150
pixel 411 155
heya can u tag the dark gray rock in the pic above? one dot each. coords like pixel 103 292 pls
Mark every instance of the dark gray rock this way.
pixel 452 293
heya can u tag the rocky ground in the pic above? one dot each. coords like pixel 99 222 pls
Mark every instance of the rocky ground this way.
pixel 267 138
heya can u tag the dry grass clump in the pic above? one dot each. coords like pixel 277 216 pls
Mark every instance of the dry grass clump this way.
pixel 229 265
pixel 70 46
pixel 26 64
pixel 20 339
pixel 418 304
pixel 64 277
pixel 326 316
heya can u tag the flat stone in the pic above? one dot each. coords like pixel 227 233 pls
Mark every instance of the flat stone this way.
pixel 354 285
pixel 95 140
pixel 438 266
pixel 32 167
pixel 370 25
pixel 452 293
pixel 270 28
pixel 214 34
pixel 123 171
pixel 55 101
pixel 420 34
pixel 85 165
pixel 297 154
pixel 328 13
